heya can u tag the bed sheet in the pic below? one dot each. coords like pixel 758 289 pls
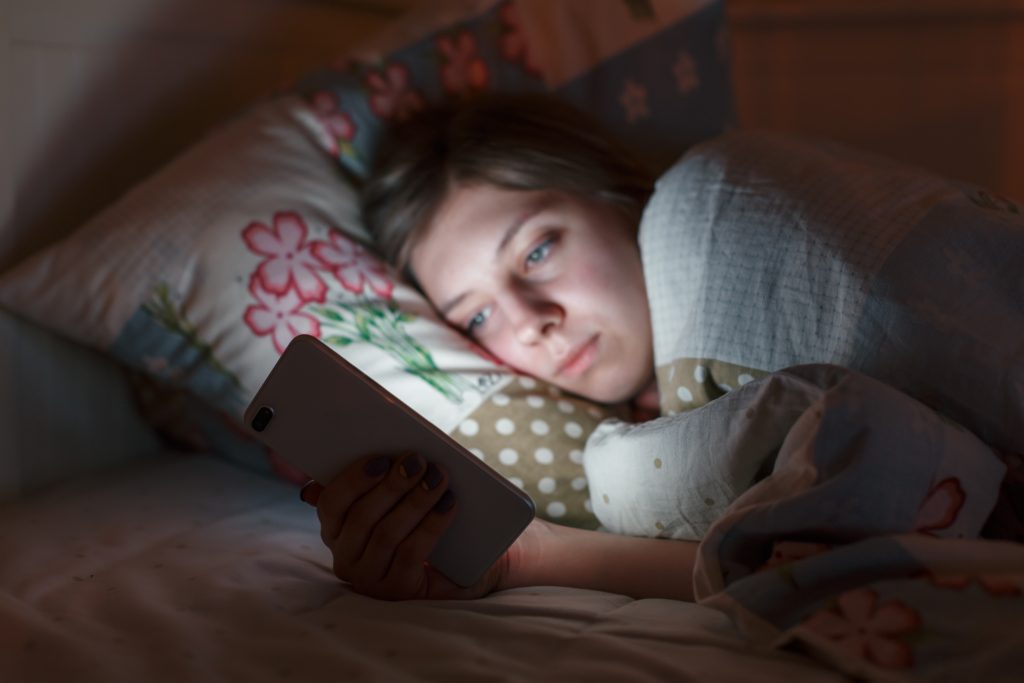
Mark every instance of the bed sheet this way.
pixel 189 569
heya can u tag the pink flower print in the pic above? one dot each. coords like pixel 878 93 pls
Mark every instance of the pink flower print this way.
pixel 996 585
pixel 289 262
pixel 335 125
pixel 785 552
pixel 514 46
pixel 940 507
pixel 463 70
pixel 685 72
pixel 865 629
pixel 354 267
pixel 280 317
pixel 634 101
pixel 391 94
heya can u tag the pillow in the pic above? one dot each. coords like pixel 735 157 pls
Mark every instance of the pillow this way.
pixel 655 72
pixel 49 433
pixel 200 276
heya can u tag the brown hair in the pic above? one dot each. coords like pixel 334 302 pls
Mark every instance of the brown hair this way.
pixel 521 142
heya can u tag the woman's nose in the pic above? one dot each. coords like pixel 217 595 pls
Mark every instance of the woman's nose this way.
pixel 534 318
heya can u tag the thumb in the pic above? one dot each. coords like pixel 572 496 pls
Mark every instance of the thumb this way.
pixel 310 492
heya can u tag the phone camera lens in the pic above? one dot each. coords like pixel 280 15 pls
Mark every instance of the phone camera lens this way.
pixel 262 418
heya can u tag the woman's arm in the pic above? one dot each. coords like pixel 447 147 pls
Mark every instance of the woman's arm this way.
pixel 381 518
pixel 553 555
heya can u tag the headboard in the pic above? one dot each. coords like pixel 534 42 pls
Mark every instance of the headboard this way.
pixel 95 94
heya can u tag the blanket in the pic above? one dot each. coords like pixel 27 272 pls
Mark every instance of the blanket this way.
pixel 840 352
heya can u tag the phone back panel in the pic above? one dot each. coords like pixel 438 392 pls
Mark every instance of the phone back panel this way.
pixel 327 413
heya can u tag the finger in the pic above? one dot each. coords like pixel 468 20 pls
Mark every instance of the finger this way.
pixel 407 570
pixel 391 532
pixel 366 512
pixel 310 492
pixel 337 497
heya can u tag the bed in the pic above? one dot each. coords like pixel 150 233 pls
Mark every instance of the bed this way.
pixel 149 539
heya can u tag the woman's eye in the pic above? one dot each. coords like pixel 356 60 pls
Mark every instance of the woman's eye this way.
pixel 477 321
pixel 539 253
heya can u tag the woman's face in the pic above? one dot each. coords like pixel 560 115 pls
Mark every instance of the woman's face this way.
pixel 549 283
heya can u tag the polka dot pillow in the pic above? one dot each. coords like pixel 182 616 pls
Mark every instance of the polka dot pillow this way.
pixel 688 383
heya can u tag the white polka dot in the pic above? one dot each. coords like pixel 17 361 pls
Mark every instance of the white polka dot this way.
pixel 535 401
pixel 700 373
pixel 588 506
pixel 539 427
pixel 725 387
pixel 505 426
pixel 527 382
pixel 500 399
pixel 556 509
pixel 579 483
pixel 517 481
pixel 544 456
pixel 573 429
pixel 745 379
pixel 595 413
pixel 546 485
pixel 508 456
pixel 469 427
pixel 477 452
pixel 566 407
pixel 576 455
pixel 684 394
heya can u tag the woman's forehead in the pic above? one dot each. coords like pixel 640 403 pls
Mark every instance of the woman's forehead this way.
pixel 470 231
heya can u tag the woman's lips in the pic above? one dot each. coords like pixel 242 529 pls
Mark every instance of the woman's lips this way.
pixel 579 360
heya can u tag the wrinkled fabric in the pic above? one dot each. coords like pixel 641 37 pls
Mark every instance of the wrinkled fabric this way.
pixel 874 316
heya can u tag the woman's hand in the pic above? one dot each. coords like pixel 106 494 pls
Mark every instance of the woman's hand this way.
pixel 381 518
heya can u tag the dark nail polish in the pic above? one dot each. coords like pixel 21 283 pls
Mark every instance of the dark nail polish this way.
pixel 304 491
pixel 431 478
pixel 445 503
pixel 411 466
pixel 378 466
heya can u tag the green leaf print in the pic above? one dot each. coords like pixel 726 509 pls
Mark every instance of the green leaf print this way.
pixel 162 308
pixel 380 324
pixel 337 340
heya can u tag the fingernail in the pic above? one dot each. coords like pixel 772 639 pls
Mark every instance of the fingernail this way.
pixel 445 503
pixel 310 492
pixel 431 478
pixel 378 466
pixel 411 466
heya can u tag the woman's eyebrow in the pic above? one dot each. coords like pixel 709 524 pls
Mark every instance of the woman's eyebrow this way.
pixel 521 220
pixel 452 303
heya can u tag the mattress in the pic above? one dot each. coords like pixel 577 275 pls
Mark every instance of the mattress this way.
pixel 185 568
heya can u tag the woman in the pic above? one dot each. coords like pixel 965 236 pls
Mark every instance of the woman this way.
pixel 517 218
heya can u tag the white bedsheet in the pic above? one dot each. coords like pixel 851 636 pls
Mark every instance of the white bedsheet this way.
pixel 188 569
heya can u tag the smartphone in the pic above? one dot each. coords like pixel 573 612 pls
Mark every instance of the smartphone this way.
pixel 319 412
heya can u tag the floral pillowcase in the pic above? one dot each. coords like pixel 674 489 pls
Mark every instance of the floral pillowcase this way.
pixel 200 276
